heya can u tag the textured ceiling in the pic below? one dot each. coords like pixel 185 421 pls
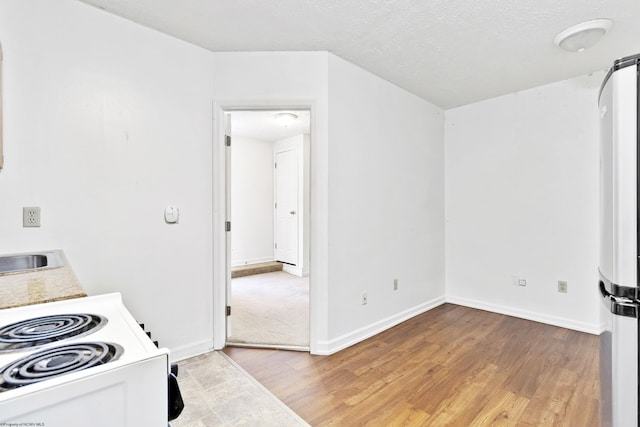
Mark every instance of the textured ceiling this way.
pixel 449 52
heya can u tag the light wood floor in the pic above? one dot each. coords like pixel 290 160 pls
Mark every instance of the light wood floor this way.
pixel 451 366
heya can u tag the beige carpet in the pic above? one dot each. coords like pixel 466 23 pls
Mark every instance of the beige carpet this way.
pixel 270 309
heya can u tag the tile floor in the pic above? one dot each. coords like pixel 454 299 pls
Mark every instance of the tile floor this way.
pixel 217 392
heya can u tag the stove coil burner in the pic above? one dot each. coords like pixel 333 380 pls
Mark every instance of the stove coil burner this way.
pixel 38 331
pixel 56 361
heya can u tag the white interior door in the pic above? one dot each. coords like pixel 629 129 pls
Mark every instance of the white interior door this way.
pixel 286 206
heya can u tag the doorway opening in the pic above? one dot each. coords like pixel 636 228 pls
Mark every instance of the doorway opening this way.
pixel 268 243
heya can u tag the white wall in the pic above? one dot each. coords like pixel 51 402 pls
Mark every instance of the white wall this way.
pixel 252 201
pixel 106 123
pixel 386 203
pixel 522 199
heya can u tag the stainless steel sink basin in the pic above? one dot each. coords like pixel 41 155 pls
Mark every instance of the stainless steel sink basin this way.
pixel 30 262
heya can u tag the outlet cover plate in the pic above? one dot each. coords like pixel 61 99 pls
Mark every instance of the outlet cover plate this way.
pixel 31 217
pixel 562 286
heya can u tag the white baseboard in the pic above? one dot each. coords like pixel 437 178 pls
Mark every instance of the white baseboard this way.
pixel 603 327
pixel 589 328
pixel 190 350
pixel 326 348
pixel 333 346
pixel 244 262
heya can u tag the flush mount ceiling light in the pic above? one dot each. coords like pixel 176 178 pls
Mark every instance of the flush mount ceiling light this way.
pixel 584 35
pixel 285 119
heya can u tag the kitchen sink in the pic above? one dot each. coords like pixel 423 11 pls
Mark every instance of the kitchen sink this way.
pixel 30 262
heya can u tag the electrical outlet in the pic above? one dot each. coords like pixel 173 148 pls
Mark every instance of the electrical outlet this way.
pixel 395 284
pixel 363 298
pixel 31 217
pixel 562 286
pixel 518 281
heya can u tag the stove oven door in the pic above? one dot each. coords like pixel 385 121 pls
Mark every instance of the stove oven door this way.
pixel 129 395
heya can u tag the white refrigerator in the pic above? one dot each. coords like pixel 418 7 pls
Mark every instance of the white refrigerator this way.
pixel 618 262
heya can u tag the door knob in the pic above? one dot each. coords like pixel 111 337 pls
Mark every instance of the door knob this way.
pixel 292 212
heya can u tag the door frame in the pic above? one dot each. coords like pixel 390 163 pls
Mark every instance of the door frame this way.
pixel 221 259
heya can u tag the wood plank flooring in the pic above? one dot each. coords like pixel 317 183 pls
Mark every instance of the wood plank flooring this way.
pixel 451 366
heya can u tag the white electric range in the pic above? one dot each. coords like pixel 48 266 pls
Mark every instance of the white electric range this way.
pixel 80 362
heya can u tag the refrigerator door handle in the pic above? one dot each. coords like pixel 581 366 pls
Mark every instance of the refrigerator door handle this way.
pixel 621 306
pixel 603 290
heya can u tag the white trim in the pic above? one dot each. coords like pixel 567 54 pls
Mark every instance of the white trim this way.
pixel 300 348
pixel 221 106
pixel 589 328
pixel 245 262
pixel 219 238
pixel 351 338
pixel 603 327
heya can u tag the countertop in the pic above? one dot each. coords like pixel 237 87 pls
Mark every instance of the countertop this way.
pixel 36 287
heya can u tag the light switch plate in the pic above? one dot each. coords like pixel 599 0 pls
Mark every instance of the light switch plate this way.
pixel 31 217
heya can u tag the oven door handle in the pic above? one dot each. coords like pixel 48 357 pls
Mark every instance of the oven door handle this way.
pixel 176 404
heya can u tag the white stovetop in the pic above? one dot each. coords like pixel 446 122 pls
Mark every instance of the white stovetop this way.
pixel 121 327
